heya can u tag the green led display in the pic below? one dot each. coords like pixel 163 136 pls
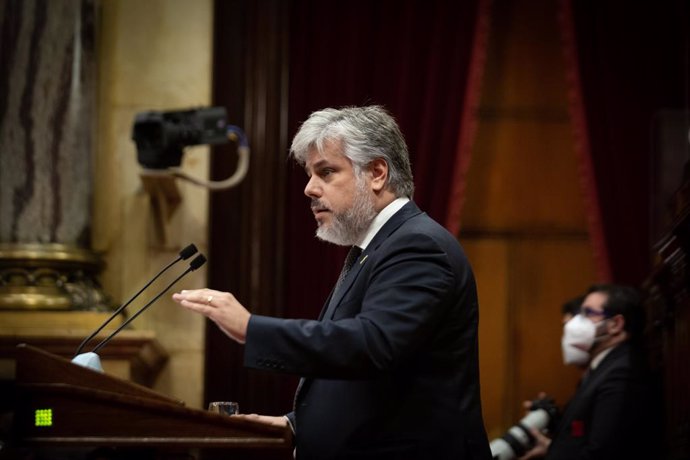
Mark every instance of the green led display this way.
pixel 44 417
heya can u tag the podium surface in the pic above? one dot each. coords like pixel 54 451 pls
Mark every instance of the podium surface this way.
pixel 62 404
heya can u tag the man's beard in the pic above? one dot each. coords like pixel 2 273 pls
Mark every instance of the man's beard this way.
pixel 347 228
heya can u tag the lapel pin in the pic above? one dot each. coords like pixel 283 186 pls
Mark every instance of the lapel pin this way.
pixel 363 259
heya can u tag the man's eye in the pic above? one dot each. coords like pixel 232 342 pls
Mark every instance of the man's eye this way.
pixel 327 172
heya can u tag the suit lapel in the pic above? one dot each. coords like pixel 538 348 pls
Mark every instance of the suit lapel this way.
pixel 396 220
pixel 406 212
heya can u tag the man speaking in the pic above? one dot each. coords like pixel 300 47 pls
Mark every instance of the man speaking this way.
pixel 390 368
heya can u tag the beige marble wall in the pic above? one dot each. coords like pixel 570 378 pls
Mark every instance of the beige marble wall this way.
pixel 45 122
pixel 153 55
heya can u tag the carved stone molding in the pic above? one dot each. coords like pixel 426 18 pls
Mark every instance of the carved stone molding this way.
pixel 50 277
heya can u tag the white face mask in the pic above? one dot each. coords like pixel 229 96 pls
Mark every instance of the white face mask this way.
pixel 573 355
pixel 579 335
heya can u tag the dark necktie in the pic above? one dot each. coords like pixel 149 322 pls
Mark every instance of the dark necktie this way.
pixel 350 260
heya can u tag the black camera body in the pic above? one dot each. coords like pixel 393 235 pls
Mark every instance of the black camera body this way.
pixel 518 439
pixel 162 136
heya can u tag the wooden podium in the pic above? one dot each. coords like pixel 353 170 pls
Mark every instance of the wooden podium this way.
pixel 61 404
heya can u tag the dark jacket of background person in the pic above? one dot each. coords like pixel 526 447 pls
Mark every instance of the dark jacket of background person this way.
pixel 613 414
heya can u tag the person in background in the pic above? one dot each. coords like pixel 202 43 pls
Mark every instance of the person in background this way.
pixel 390 368
pixel 571 308
pixel 573 354
pixel 612 413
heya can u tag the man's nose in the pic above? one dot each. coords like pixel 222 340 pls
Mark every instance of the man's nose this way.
pixel 313 189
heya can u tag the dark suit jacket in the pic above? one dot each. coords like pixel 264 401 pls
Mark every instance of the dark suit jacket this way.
pixel 392 371
pixel 612 413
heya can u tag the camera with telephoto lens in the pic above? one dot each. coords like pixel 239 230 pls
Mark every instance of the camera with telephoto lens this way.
pixel 518 439
pixel 161 136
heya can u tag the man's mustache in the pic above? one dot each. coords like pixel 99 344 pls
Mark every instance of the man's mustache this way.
pixel 318 204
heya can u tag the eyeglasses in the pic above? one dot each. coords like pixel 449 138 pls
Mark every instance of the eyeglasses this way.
pixel 589 312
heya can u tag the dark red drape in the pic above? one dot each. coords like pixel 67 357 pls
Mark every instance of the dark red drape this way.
pixel 631 62
pixel 276 62
pixel 411 56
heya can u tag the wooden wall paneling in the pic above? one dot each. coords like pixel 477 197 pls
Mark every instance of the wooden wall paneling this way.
pixel 545 272
pixel 523 196
pixel 522 284
pixel 523 177
pixel 489 261
pixel 524 63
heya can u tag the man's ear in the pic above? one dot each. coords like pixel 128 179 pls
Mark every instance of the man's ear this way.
pixel 617 324
pixel 379 174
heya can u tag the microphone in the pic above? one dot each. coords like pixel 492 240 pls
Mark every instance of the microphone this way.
pixel 92 360
pixel 184 254
pixel 193 265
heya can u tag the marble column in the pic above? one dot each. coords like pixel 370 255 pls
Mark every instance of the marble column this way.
pixel 47 124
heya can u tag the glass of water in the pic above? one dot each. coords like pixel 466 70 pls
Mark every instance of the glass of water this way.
pixel 224 407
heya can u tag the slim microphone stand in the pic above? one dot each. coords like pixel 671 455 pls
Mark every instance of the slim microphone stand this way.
pixel 193 266
pixel 184 254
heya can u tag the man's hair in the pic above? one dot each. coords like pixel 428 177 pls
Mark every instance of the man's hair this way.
pixel 572 306
pixel 365 134
pixel 626 301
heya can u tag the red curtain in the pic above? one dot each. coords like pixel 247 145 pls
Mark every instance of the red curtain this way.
pixel 411 56
pixel 414 57
pixel 468 121
pixel 628 61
